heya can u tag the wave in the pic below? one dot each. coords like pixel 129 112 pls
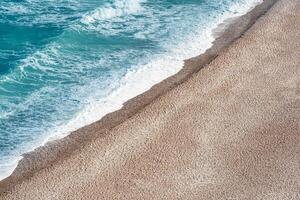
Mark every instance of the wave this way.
pixel 116 9
pixel 14 9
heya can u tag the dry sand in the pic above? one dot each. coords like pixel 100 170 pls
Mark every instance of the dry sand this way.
pixel 232 131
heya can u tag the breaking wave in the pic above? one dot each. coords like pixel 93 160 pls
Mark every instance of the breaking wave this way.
pixel 115 9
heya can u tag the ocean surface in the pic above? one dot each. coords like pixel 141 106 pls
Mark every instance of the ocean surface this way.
pixel 66 63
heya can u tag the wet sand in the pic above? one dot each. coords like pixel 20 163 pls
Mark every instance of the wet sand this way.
pixel 231 131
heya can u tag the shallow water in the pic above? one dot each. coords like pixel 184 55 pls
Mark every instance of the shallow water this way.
pixel 66 63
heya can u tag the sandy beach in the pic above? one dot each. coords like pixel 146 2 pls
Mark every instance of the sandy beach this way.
pixel 229 131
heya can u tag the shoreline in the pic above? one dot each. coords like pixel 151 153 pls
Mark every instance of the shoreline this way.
pixel 57 150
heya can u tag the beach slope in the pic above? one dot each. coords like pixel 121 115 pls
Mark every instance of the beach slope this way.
pixel 231 131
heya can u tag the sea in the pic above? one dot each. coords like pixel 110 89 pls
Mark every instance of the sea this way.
pixel 65 64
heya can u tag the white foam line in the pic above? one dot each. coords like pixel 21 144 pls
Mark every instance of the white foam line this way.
pixel 144 77
pixel 7 170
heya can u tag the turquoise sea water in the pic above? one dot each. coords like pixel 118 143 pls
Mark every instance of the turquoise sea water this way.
pixel 66 63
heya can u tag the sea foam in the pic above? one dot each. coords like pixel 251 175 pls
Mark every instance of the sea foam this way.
pixel 116 9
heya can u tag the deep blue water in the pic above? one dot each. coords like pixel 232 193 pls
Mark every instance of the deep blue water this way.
pixel 66 63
